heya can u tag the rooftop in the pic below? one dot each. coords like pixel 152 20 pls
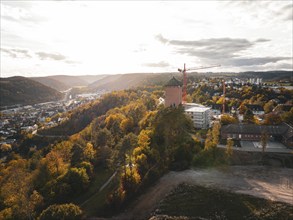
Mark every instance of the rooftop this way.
pixel 197 109
pixel 173 82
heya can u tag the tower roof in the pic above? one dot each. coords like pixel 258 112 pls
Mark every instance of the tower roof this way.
pixel 173 82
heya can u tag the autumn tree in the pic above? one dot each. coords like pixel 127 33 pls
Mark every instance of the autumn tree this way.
pixel 264 141
pixel 61 211
pixel 269 106
pixel 19 198
pixel 272 119
pixel 229 147
pixel 227 119
pixel 216 132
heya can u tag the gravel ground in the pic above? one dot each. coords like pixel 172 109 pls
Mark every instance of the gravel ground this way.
pixel 275 184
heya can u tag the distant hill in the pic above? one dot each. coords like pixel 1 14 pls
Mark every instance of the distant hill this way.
pixel 91 78
pixel 21 90
pixel 70 81
pixel 50 82
pixel 132 80
pixel 62 82
pixel 268 75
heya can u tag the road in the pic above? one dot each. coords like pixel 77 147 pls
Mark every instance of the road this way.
pixel 265 182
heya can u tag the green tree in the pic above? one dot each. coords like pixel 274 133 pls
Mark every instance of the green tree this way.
pixel 78 179
pixel 62 211
pixel 248 116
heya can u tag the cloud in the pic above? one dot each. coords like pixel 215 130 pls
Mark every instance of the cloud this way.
pixel 159 64
pixel 50 56
pixel 287 12
pixel 226 51
pixel 256 61
pixel 213 48
pixel 261 40
pixel 22 53
pixel 55 57
pixel 16 53
pixel 160 38
pixel 21 12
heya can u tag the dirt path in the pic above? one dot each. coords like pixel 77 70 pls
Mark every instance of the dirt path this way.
pixel 264 182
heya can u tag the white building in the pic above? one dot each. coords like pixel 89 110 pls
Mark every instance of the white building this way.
pixel 200 115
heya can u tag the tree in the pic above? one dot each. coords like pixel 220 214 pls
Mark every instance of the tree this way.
pixel 16 191
pixel 209 143
pixel 229 147
pixel 269 106
pixel 288 117
pixel 102 137
pixel 227 119
pixel 171 128
pixel 248 116
pixel 216 132
pixel 264 141
pixel 126 144
pixel 272 119
pixel 89 153
pixel 77 178
pixel 63 211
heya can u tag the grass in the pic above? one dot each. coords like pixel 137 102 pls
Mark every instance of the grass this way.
pixel 207 203
pixel 92 202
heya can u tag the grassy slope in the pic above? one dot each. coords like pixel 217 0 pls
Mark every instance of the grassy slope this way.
pixel 92 202
pixel 196 201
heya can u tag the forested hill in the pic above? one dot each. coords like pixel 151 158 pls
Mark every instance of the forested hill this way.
pixel 53 83
pixel 21 90
pixel 268 75
pixel 62 82
pixel 133 80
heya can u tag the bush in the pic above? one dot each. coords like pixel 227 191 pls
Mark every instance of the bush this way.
pixel 63 211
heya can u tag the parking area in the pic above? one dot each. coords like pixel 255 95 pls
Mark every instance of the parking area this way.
pixel 254 146
pixel 271 147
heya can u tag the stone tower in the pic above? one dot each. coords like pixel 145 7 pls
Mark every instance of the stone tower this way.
pixel 173 93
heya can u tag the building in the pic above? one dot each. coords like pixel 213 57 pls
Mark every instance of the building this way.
pixel 256 109
pixel 173 93
pixel 200 115
pixel 253 132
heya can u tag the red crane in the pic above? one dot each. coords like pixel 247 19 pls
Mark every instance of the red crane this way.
pixel 185 77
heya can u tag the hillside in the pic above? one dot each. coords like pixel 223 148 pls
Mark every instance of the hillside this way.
pixel 21 90
pixel 268 75
pixel 52 83
pixel 70 81
pixel 91 78
pixel 127 81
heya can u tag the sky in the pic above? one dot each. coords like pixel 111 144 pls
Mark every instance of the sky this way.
pixel 41 38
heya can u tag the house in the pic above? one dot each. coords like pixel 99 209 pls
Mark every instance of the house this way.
pixel 217 109
pixel 253 132
pixel 256 109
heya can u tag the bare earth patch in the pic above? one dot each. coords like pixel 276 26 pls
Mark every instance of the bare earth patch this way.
pixel 275 184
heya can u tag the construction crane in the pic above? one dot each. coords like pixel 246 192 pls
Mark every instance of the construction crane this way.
pixel 185 77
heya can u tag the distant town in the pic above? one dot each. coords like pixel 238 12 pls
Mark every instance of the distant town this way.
pixel 31 118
